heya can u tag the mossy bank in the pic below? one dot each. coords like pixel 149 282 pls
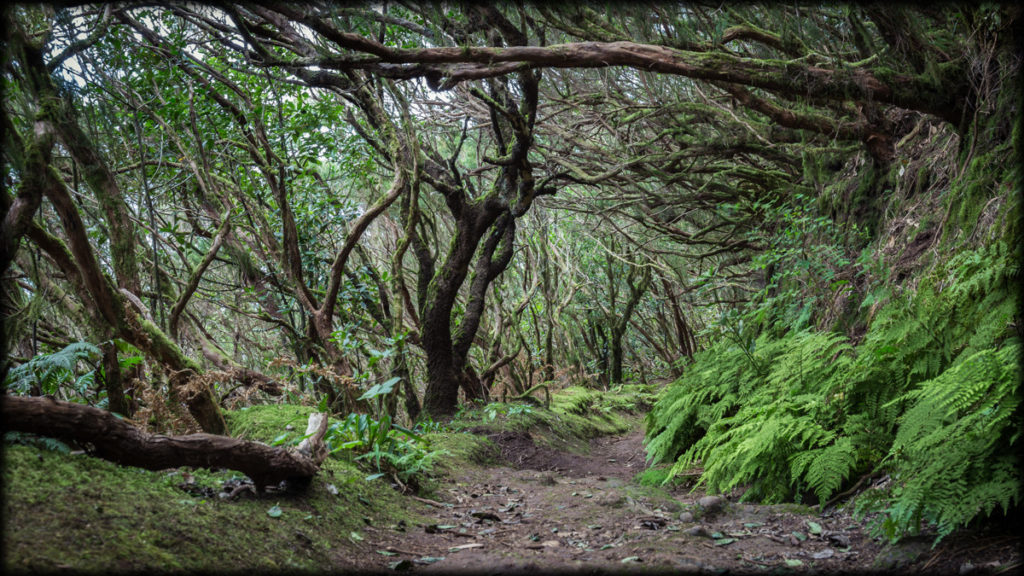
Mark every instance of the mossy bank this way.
pixel 73 511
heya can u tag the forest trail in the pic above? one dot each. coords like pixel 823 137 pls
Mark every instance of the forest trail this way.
pixel 542 509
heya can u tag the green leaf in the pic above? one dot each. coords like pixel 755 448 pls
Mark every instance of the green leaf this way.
pixel 274 511
pixel 381 389
pixel 814 527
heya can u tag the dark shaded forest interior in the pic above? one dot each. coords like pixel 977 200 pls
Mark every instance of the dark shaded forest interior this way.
pixel 445 286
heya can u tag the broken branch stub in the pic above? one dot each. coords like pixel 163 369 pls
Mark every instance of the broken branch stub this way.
pixel 312 446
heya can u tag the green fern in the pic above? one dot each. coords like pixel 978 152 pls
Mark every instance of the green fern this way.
pixel 778 415
pixel 710 390
pixel 805 361
pixel 50 371
pixel 825 469
pixel 43 442
pixel 754 448
pixel 953 455
pixel 929 397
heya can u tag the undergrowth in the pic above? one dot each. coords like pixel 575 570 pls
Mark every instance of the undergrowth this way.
pixel 380 447
pixel 929 399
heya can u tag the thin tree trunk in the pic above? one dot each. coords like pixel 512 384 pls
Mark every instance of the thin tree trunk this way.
pixel 615 369
pixel 116 401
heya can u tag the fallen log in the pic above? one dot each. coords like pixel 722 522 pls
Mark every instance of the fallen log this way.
pixel 106 436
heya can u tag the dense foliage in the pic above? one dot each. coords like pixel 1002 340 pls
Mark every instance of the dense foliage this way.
pixel 929 399
pixel 891 375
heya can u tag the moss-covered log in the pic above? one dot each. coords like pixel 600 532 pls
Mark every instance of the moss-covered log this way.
pixel 114 439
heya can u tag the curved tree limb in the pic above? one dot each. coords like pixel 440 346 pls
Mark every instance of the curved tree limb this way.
pixel 399 184
pixel 197 274
pixel 18 211
pixel 444 67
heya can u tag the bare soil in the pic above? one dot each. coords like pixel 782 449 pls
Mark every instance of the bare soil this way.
pixel 548 510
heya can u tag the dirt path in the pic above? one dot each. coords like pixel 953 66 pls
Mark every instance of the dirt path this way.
pixel 549 510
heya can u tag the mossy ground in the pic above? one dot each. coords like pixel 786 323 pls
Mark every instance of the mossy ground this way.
pixel 73 511
pixel 65 511
pixel 574 415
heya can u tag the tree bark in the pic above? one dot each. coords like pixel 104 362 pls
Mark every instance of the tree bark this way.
pixel 616 357
pixel 19 211
pixel 444 368
pixel 621 323
pixel 116 401
pixel 111 438
pixel 687 343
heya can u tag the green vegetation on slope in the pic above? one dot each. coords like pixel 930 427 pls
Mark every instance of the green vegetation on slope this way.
pixel 930 397
pixel 574 415
pixel 892 376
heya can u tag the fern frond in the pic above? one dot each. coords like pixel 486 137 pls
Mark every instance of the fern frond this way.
pixel 49 371
pixel 825 469
pixel 709 391
pixel 953 452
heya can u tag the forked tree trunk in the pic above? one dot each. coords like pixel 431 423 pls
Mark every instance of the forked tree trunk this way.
pixel 619 325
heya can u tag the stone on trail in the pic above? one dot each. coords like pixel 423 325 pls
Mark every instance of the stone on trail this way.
pixel 696 531
pixel 711 504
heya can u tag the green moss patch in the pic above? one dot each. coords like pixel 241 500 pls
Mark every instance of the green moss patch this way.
pixel 266 423
pixel 656 476
pixel 64 511
pixel 574 416
pixel 462 449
